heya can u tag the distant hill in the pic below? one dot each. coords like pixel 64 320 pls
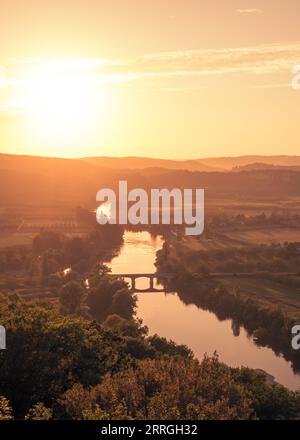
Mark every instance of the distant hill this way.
pixel 139 163
pixel 49 165
pixel 45 165
pixel 42 181
pixel 228 163
pixel 265 166
pixel 205 164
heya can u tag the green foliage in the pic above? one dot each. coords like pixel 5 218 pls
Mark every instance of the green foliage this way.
pixel 5 409
pixel 269 260
pixel 96 414
pixel 39 412
pixel 269 401
pixel 48 353
pixel 177 388
pixel 125 327
pixel 269 319
pixel 70 297
pixel 171 388
pixel 108 296
pixel 46 240
pixel 123 304
pixel 82 370
pixel 169 348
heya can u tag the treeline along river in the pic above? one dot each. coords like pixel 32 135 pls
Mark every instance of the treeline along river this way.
pixel 201 330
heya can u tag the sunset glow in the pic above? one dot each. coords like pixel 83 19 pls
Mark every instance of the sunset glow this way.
pixel 149 78
pixel 61 103
pixel 149 216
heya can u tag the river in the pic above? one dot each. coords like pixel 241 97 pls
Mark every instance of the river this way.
pixel 200 330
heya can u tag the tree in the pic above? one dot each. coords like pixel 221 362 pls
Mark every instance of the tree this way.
pixel 70 297
pixel 167 388
pixel 74 249
pixel 95 414
pixel 46 240
pixel 123 304
pixel 5 409
pixel 126 327
pixel 101 294
pixel 49 352
pixel 39 412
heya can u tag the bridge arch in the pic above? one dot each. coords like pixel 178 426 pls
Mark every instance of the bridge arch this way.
pixel 153 278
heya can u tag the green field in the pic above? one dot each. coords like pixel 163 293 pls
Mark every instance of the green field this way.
pixel 239 238
pixel 267 293
pixel 16 239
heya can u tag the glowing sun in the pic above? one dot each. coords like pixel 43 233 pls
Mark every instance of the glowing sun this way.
pixel 64 102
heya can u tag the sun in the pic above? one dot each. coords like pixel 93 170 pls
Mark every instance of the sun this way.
pixel 63 103
pixel 60 108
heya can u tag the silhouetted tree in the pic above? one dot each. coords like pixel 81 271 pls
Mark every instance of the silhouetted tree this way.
pixel 70 297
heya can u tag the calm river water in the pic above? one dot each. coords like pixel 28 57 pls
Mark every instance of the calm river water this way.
pixel 200 330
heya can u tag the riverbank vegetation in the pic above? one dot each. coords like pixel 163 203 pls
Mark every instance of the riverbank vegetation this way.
pixel 257 287
pixel 76 350
pixel 272 259
pixel 53 259
pixel 61 366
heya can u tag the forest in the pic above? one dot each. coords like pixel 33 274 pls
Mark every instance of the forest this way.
pixel 70 367
pixel 85 355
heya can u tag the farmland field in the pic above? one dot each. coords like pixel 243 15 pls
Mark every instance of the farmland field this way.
pixel 267 293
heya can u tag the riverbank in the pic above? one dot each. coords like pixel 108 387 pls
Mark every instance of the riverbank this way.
pixel 174 317
pixel 267 306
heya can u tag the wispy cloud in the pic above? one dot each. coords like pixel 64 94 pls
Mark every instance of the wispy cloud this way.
pixel 254 59
pixel 249 11
pixel 150 68
pixel 182 89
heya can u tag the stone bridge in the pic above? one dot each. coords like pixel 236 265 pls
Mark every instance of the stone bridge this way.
pixel 161 277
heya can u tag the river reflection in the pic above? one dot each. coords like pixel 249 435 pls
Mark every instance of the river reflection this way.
pixel 200 330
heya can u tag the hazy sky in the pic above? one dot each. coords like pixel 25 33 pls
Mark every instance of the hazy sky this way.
pixel 160 78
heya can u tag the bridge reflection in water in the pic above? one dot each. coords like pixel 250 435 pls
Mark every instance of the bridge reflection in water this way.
pixel 161 278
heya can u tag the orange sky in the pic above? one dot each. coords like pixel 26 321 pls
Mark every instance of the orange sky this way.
pixel 160 78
